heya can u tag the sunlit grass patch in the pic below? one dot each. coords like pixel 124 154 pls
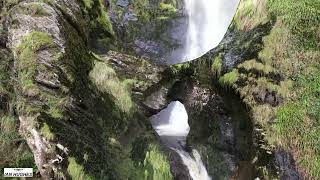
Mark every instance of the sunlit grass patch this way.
pixel 298 123
pixel 216 66
pixel 168 7
pixel 254 65
pixel 27 64
pixel 106 80
pixel 302 18
pixel 77 171
pixel 156 164
pixel 229 78
pixel 250 14
pixel 46 132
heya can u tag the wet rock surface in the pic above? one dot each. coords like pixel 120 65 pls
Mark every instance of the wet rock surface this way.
pixel 238 46
pixel 286 164
pixel 214 132
pixel 270 97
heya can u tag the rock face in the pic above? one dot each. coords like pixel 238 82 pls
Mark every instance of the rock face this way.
pixel 41 37
pixel 149 28
pixel 223 144
pixel 75 108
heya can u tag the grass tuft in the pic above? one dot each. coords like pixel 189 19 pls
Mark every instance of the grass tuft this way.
pixel 156 164
pixel 76 171
pixel 216 66
pixel 46 132
pixel 230 78
pixel 106 80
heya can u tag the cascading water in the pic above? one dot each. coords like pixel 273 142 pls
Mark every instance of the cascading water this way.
pixel 171 124
pixel 208 21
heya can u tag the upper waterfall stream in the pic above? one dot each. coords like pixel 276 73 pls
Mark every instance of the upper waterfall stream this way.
pixel 208 21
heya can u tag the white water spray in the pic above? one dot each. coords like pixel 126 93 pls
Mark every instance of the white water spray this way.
pixel 171 124
pixel 208 21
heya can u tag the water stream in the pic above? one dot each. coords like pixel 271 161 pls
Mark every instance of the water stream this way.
pixel 208 21
pixel 171 124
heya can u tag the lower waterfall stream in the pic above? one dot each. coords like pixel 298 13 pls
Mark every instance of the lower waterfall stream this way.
pixel 171 124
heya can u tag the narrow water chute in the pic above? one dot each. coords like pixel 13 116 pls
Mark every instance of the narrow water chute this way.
pixel 171 124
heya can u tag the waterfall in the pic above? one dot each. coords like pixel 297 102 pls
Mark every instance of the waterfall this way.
pixel 208 21
pixel 171 124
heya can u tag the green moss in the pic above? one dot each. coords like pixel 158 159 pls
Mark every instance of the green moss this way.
pixel 10 3
pixel 76 171
pixel 99 17
pixel 46 132
pixel 106 80
pixel 104 18
pixel 278 50
pixel 88 4
pixel 249 65
pixel 27 58
pixel 230 78
pixel 26 160
pixel 56 105
pixel 34 9
pixel 9 126
pixel 216 66
pixel 183 69
pixel 168 7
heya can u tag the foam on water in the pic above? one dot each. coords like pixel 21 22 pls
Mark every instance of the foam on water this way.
pixel 171 124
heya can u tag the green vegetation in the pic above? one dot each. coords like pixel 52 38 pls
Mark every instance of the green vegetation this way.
pixel 216 66
pixel 250 14
pixel 105 78
pixel 76 171
pixel 99 17
pixel 291 52
pixel 14 151
pixel 28 61
pixel 34 9
pixel 46 132
pixel 156 165
pixel 183 69
pixel 229 78
pixel 167 7
pixel 301 17
pixel 256 66
pixel 88 4
pixel 298 123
